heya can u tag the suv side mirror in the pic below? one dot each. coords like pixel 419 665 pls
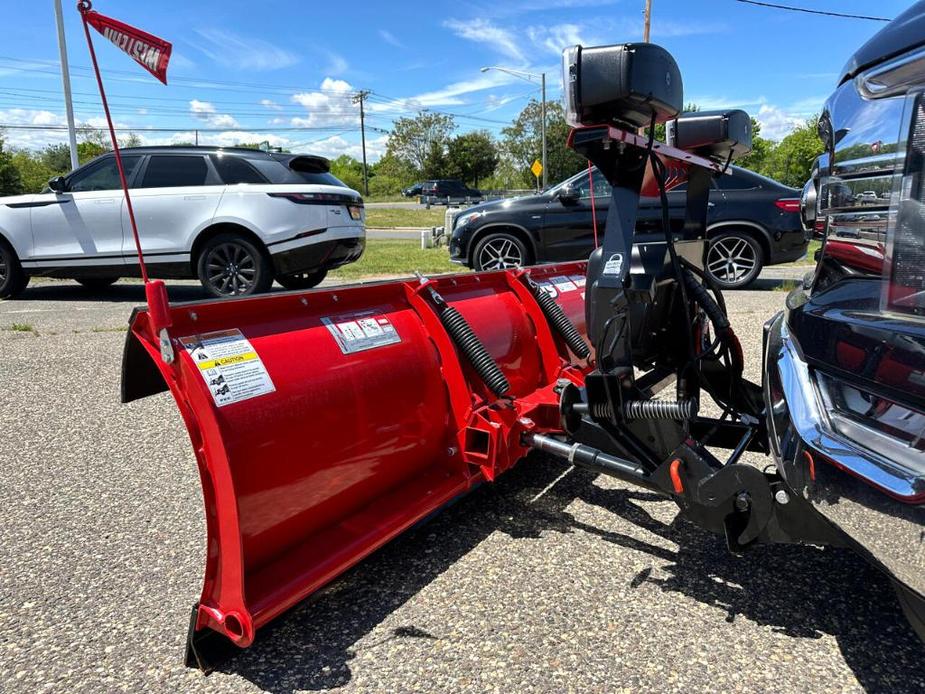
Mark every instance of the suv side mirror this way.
pixel 568 195
pixel 58 184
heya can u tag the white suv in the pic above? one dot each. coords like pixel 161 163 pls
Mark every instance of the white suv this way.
pixel 235 218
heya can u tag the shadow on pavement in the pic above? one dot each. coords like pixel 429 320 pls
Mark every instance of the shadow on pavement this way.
pixel 130 293
pixel 801 592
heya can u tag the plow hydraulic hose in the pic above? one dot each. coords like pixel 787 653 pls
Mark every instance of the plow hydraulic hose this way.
pixel 556 316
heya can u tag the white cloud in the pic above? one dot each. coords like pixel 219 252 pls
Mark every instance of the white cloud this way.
pixel 334 146
pixel 482 30
pixel 390 39
pixel 554 38
pixel 270 104
pixel 242 52
pixel 775 122
pixel 450 95
pixel 337 64
pixel 205 111
pixel 331 105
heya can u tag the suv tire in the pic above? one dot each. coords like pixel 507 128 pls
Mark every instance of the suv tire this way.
pixel 96 284
pixel 499 251
pixel 231 265
pixel 302 280
pixel 12 278
pixel 734 259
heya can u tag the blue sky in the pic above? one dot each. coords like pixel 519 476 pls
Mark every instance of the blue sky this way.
pixel 273 67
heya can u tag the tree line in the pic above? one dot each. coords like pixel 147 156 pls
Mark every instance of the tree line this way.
pixel 426 146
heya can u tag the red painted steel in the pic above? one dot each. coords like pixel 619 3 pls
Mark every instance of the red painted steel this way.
pixel 351 449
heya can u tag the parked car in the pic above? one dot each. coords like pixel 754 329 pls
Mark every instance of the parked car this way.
pixel 236 219
pixel 753 222
pixel 448 191
pixel 413 190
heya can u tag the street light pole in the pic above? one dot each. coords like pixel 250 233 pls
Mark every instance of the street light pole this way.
pixel 66 81
pixel 647 21
pixel 530 76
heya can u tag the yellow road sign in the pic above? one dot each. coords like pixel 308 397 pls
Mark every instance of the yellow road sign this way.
pixel 537 168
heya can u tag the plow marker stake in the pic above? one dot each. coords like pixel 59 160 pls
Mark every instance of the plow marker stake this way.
pixel 325 423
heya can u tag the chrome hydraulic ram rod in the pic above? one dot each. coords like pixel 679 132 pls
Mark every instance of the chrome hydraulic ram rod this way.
pixel 592 459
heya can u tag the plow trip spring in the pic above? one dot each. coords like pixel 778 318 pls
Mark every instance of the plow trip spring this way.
pixel 325 423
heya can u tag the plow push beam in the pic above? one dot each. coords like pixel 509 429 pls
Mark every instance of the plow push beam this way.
pixel 325 423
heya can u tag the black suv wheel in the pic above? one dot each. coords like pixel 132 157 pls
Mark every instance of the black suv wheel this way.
pixel 230 265
pixel 12 278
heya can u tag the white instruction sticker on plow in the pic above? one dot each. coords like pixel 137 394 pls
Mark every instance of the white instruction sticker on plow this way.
pixel 229 365
pixel 361 331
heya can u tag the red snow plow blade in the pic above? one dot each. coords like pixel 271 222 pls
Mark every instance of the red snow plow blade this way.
pixel 327 422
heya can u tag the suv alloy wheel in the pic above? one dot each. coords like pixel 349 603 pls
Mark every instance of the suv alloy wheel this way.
pixel 734 259
pixel 230 265
pixel 500 251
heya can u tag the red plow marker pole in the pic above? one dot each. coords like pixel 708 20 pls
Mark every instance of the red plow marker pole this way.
pixel 593 210
pixel 155 292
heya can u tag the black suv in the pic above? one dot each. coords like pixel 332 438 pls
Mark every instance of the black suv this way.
pixel 754 221
pixel 448 191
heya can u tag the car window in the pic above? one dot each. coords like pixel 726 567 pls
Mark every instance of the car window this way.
pixel 736 181
pixel 174 170
pixel 104 176
pixel 233 170
pixel 601 186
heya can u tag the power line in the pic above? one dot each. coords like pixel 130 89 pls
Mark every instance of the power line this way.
pixel 808 11
pixel 271 129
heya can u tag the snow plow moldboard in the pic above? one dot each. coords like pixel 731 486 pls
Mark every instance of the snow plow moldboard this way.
pixel 327 422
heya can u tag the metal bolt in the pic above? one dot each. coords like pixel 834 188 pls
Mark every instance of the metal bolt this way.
pixel 781 497
pixel 742 501
pixel 334 297
pixel 304 301
pixel 193 316
pixel 451 451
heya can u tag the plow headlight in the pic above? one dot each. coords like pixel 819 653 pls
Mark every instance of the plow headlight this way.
pixel 624 84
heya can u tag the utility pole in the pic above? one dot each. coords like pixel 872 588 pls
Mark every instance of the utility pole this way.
pixel 543 85
pixel 359 99
pixel 66 81
pixel 647 21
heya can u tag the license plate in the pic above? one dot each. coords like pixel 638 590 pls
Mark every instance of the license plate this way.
pixel 355 212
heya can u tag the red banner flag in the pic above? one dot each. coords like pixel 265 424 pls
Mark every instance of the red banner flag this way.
pixel 149 51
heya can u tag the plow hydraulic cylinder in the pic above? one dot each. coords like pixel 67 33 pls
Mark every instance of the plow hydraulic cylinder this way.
pixel 590 459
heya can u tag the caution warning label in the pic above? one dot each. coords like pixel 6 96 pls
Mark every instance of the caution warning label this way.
pixel 229 365
pixel 361 331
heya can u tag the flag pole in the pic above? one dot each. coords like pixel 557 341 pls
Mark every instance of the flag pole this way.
pixel 159 318
pixel 84 7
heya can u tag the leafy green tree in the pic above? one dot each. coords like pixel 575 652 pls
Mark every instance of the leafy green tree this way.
pixel 32 171
pixel 523 143
pixel 10 180
pixel 791 160
pixel 436 164
pixel 348 170
pixel 418 140
pixel 761 150
pixel 472 157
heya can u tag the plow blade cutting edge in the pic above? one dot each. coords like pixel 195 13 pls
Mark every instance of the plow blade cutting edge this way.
pixel 327 422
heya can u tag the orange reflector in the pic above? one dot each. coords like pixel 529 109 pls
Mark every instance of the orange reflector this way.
pixel 812 465
pixel 675 472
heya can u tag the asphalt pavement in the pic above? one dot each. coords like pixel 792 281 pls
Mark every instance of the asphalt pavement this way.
pixel 588 586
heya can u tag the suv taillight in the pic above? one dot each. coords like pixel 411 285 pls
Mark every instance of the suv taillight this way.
pixel 788 204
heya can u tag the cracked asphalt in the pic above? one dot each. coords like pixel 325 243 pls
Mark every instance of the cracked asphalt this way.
pixel 593 586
